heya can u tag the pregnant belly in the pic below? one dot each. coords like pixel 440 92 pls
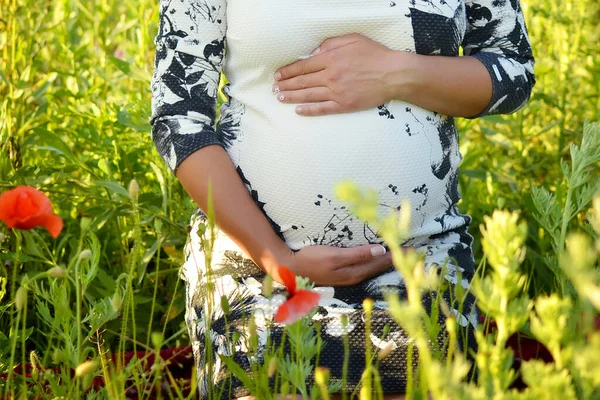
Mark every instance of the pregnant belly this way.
pixel 291 165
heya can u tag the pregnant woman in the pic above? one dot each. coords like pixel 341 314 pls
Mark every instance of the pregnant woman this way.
pixel 320 92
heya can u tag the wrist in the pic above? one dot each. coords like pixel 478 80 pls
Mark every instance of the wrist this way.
pixel 403 77
pixel 274 256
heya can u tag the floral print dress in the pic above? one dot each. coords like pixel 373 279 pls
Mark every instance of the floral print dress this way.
pixel 290 164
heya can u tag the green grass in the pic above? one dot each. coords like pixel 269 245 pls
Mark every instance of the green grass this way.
pixel 74 108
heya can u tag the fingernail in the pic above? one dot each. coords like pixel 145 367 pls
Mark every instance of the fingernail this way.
pixel 377 251
pixel 316 51
pixel 275 89
pixel 298 109
pixel 277 76
pixel 281 97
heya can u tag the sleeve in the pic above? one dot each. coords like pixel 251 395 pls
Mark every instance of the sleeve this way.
pixel 497 36
pixel 190 47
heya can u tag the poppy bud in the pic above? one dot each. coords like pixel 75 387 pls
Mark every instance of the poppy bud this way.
pixel 368 304
pixel 86 367
pixel 57 272
pixel 134 189
pixel 20 297
pixel 224 305
pixel 451 325
pixel 85 223
pixel 387 349
pixel 321 376
pixel 344 320
pixel 115 301
pixel 252 326
pixel 272 367
pixel 157 339
pixel 268 286
pixel 85 254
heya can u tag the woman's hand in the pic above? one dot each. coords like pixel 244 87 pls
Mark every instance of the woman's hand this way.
pixel 345 74
pixel 335 266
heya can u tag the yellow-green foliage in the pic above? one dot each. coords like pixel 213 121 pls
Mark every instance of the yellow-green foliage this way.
pixel 74 108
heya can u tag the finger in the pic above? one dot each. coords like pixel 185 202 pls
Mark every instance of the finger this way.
pixel 354 274
pixel 300 67
pixel 305 95
pixel 359 254
pixel 323 108
pixel 300 82
pixel 336 42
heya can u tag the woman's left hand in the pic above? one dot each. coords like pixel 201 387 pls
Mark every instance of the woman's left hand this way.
pixel 346 73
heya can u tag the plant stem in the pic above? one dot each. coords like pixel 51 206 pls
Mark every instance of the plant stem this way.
pixel 566 218
pixel 13 285
pixel 155 288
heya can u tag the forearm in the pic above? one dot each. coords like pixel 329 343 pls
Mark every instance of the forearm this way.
pixel 236 214
pixel 455 86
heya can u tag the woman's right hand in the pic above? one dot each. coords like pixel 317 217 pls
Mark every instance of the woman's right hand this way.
pixel 337 266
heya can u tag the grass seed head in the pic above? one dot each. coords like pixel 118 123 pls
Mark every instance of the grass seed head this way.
pixel 86 368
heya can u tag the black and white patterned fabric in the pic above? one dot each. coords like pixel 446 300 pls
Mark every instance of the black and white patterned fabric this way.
pixel 290 164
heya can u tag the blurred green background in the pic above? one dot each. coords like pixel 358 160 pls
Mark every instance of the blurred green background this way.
pixel 74 109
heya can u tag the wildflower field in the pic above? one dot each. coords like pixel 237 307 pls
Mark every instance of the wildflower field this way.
pixel 91 305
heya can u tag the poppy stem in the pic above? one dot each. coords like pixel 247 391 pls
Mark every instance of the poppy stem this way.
pixel 13 346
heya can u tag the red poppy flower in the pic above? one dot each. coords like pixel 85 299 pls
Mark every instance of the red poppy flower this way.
pixel 299 302
pixel 25 207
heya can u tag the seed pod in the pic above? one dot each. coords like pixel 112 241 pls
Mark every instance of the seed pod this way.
pixel 20 297
pixel 86 367
pixel 57 272
pixel 85 254
pixel 272 367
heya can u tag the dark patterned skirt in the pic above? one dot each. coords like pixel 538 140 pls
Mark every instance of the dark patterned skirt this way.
pixel 239 280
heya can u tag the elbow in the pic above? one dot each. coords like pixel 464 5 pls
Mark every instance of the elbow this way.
pixel 513 80
pixel 523 88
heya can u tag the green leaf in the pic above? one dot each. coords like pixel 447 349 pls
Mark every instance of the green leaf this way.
pixel 54 143
pixel 121 65
pixel 163 185
pixel 113 187
pixel 237 371
pixel 143 264
pixel 129 120
pixel 102 219
pixel 495 119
